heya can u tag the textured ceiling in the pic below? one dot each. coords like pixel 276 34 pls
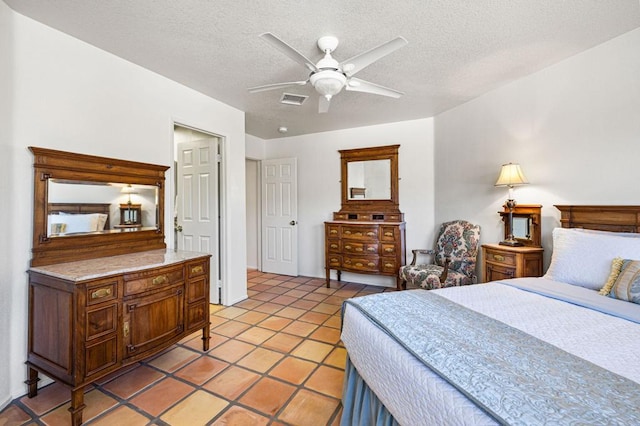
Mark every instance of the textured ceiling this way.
pixel 458 49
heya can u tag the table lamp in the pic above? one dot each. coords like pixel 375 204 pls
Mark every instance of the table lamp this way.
pixel 511 175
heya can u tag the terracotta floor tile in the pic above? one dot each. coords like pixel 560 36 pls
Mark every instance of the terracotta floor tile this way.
pixel 337 358
pixel 316 297
pixel 268 396
pixel 291 313
pixel 174 359
pixel 122 415
pixel 248 304
pixel 48 398
pixel 327 308
pixel 232 350
pixel 216 321
pixel 231 328
pixel 283 300
pixel 216 308
pixel 325 291
pixel 268 308
pixel 161 396
pixel 334 300
pixel 96 403
pixel 326 380
pixel 133 382
pixel 259 287
pixel 260 360
pixel 346 292
pixel 282 342
pixel 264 297
pixel 13 416
pixel 298 294
pixel 314 317
pixel 313 351
pixel 275 323
pixel 309 409
pixel 303 304
pixel 201 370
pixel 277 290
pixel 119 373
pixel 326 334
pixel 306 287
pixel 252 317
pixel 214 341
pixel 289 285
pixel 230 312
pixel 255 335
pixel 198 408
pixel 232 382
pixel 300 328
pixel 293 370
pixel 238 416
pixel 334 322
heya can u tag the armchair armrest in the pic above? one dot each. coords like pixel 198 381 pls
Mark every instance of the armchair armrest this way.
pixel 420 251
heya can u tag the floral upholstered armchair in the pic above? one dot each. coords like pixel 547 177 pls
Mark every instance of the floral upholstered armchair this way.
pixel 454 258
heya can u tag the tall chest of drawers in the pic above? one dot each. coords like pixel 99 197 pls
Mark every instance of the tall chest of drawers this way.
pixel 365 243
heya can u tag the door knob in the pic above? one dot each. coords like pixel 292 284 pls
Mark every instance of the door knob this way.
pixel 292 223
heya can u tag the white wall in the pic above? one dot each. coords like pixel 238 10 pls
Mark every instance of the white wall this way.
pixel 252 173
pixel 574 128
pixel 71 96
pixel 319 185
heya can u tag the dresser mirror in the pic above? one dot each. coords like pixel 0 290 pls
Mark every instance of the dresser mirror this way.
pixel 370 178
pixel 526 224
pixel 77 206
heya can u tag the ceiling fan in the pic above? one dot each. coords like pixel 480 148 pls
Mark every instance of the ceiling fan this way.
pixel 329 76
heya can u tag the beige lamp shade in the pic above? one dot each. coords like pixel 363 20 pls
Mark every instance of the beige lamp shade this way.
pixel 511 175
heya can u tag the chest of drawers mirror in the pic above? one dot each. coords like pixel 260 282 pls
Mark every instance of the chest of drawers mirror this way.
pixel 367 235
pixel 102 297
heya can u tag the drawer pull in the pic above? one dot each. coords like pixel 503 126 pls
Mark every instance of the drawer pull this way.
pixel 197 269
pixel 334 246
pixel 372 249
pixel 498 257
pixel 388 265
pixel 359 234
pixel 333 231
pixel 389 249
pixel 388 234
pixel 347 247
pixel 347 232
pixel 371 264
pixel 160 279
pixel 370 234
pixel 100 293
pixel 358 248
pixel 358 264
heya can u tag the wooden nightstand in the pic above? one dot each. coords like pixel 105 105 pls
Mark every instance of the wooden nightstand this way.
pixel 503 262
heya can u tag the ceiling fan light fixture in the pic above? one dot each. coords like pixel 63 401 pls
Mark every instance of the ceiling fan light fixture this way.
pixel 328 82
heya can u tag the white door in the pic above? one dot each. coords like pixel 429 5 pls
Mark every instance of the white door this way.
pixel 197 206
pixel 280 216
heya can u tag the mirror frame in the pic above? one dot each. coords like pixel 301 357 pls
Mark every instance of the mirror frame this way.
pixel 532 212
pixel 53 164
pixel 389 152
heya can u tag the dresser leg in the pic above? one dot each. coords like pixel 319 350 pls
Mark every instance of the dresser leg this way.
pixel 206 336
pixel 77 406
pixel 328 275
pixel 32 382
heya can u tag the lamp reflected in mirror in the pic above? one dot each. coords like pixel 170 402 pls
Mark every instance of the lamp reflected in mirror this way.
pixel 511 175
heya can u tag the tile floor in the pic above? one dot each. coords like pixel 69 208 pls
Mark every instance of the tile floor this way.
pixel 274 359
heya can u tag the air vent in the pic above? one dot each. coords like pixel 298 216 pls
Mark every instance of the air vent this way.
pixel 291 99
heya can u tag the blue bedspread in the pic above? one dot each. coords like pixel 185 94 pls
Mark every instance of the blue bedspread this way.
pixel 516 378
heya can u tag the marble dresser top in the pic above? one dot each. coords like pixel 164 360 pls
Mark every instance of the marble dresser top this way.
pixel 89 269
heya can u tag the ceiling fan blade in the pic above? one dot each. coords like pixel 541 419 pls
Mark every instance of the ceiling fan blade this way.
pixel 358 85
pixel 358 62
pixel 288 50
pixel 323 104
pixel 276 86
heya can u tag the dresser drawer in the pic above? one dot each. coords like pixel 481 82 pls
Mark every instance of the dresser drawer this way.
pixel 500 257
pixel 102 291
pixel 368 233
pixel 150 280
pixel 354 247
pixel 389 265
pixel 333 246
pixel 387 249
pixel 333 231
pixel 369 264
pixel 334 261
pixel 197 269
pixel 388 233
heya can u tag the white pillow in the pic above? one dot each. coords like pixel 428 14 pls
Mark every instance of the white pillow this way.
pixel 584 258
pixel 79 222
pixel 102 220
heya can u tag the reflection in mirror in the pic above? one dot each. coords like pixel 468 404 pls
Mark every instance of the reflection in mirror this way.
pixel 521 227
pixel 369 180
pixel 81 207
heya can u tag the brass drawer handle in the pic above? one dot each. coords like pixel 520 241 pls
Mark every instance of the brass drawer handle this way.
pixel 333 246
pixel 334 260
pixel 388 234
pixel 389 249
pixel 197 269
pixel 359 234
pixel 100 293
pixel 370 234
pixel 333 231
pixel 347 247
pixel 358 264
pixel 388 265
pixel 358 248
pixel 372 249
pixel 498 257
pixel 160 279
pixel 371 264
pixel 347 232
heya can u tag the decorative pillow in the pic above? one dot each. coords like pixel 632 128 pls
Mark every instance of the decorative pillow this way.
pixel 57 228
pixel 80 222
pixel 616 267
pixel 584 258
pixel 102 220
pixel 627 286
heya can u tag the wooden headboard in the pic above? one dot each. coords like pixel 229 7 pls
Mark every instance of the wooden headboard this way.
pixel 603 218
pixel 80 208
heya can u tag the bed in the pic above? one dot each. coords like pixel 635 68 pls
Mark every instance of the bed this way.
pixel 549 350
pixel 75 218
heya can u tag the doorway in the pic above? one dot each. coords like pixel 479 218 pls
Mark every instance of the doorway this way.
pixel 197 198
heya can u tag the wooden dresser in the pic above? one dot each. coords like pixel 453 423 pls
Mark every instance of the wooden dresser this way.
pixel 358 243
pixel 504 262
pixel 92 317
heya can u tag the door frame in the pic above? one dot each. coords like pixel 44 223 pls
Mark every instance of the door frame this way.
pixel 222 202
pixel 258 209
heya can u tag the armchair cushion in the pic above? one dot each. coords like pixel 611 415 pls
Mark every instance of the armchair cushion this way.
pixel 428 277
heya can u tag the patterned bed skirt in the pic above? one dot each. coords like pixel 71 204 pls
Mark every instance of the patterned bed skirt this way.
pixel 361 407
